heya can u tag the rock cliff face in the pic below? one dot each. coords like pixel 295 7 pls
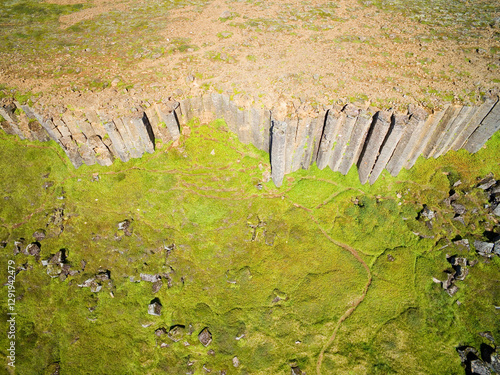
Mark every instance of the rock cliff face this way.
pixel 295 136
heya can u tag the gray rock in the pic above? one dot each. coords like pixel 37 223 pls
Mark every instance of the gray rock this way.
pixel 496 210
pixel 489 125
pixel 205 337
pixel 296 370
pixel 150 278
pixel 427 213
pixel 160 332
pixel 463 242
pixel 95 287
pixel 459 208
pixel 452 290
pixel 484 248
pixel 479 367
pixel 176 333
pixel 154 308
pixel 39 234
pixel 278 150
pixel 486 182
pixel 236 362
pixel 157 286
pixel 33 249
pixel 495 362
pixel 54 270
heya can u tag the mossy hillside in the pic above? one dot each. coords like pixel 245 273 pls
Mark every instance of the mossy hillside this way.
pixel 284 291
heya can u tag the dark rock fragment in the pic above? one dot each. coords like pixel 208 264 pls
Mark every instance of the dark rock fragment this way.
pixel 150 278
pixel 160 332
pixel 176 333
pixel 33 249
pixel 484 248
pixel 479 367
pixel 205 337
pixel 459 208
pixel 154 307
pixel 39 234
pixel 463 243
pixel 157 286
pixel 486 182
pixel 125 226
pixel 297 371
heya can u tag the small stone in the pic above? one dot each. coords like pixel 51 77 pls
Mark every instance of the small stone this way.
pixel 157 286
pixel 176 333
pixel 39 234
pixel 123 225
pixel 390 258
pixel 95 287
pixel 486 182
pixel 160 332
pixel 54 270
pixel 212 152
pixel 211 352
pixel 496 210
pixel 427 213
pixel 236 362
pixel 459 208
pixel 296 370
pixel 460 219
pixel 452 290
pixel 205 337
pixel 154 308
pixel 150 278
pixel 463 242
pixel 225 14
pixel 33 249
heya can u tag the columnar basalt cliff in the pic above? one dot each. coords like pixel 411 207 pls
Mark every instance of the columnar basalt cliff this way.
pixel 293 135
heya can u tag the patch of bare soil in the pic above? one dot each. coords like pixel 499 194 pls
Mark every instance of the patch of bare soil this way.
pixel 284 52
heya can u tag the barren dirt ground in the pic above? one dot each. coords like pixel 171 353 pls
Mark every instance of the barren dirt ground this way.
pixel 314 51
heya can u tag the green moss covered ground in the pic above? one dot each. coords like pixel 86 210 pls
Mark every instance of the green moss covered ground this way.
pixel 323 272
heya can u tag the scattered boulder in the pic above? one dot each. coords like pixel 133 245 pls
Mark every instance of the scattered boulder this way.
pixel 154 307
pixel 205 337
pixel 33 249
pixel 484 248
pixel 176 332
pixel 486 182
pixel 236 362
pixel 18 246
pixel 157 286
pixel 160 332
pixel 463 243
pixel 297 371
pixel 483 362
pixel 150 278
pixel 39 234
pixel 125 226
pixel 459 208
pixel 427 213
pixel 479 367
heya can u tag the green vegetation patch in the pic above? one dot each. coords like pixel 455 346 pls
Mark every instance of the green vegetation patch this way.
pixel 269 272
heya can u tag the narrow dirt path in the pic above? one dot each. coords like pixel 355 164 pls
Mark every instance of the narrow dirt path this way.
pixel 348 313
pixel 356 304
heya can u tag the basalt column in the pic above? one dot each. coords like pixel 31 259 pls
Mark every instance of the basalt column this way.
pixel 372 145
pixel 278 151
pixel 333 122
pixel 488 127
